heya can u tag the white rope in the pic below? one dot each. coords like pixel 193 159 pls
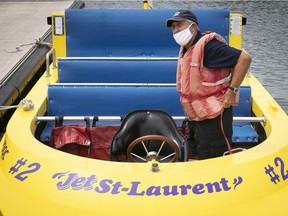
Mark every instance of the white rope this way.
pixel 25 104
pixel 235 150
pixel 37 42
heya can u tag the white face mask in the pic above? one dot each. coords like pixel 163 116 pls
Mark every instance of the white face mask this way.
pixel 183 37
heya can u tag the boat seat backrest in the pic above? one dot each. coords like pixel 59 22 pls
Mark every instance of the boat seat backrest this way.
pixel 243 131
pixel 116 71
pixel 131 32
pixel 244 107
pixel 126 33
pixel 119 100
pixel 141 123
pixel 108 100
pixel 111 100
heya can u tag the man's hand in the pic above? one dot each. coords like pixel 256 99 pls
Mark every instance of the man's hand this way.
pixel 230 98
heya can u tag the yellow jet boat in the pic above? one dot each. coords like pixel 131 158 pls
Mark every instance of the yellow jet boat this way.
pixel 92 135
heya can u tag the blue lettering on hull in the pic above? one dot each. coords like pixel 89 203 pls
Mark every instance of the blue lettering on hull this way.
pixel 72 181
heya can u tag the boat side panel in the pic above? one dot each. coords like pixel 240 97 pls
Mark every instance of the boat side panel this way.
pixel 59 36
pixel 235 33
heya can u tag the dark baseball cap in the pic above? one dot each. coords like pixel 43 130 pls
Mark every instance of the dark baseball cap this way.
pixel 182 15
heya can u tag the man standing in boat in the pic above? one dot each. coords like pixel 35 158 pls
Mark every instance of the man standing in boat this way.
pixel 209 74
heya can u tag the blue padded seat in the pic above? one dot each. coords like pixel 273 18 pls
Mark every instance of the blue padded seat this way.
pixel 245 101
pixel 109 100
pixel 123 32
pixel 119 100
pixel 243 132
pixel 116 71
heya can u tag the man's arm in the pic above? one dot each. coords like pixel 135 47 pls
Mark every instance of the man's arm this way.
pixel 238 76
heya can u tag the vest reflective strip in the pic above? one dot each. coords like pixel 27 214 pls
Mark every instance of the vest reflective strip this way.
pixel 219 82
pixel 194 64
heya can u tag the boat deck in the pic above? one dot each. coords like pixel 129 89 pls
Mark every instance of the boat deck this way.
pixel 21 23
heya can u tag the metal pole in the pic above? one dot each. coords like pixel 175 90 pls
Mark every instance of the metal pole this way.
pixel 118 118
pixel 121 58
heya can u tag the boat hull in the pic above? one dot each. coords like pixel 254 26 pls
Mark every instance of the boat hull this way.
pixel 41 180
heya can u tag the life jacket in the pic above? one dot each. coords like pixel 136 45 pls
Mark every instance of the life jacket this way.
pixel 201 89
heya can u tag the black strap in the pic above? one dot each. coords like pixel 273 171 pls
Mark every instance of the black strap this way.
pixel 87 120
pixel 59 121
pixel 95 119
pixel 184 126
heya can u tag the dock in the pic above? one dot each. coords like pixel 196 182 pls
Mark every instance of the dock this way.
pixel 22 24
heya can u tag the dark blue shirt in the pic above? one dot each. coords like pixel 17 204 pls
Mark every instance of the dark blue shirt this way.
pixel 218 54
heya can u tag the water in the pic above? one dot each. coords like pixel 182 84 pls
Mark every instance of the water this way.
pixel 264 36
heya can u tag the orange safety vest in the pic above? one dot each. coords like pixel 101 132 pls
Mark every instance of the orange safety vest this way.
pixel 201 89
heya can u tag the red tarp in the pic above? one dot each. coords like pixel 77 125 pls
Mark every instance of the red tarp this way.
pixel 93 142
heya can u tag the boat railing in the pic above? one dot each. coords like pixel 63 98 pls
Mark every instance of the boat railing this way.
pixel 119 118
pixel 48 61
pixel 144 58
